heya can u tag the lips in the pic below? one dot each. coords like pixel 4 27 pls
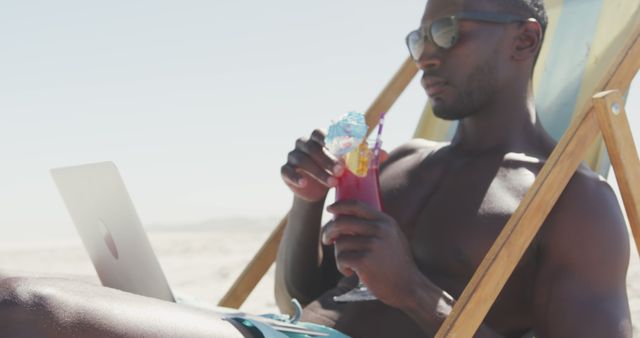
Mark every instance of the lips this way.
pixel 434 86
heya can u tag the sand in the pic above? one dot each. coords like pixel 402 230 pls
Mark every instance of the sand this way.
pixel 199 264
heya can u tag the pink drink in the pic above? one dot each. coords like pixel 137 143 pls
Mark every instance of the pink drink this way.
pixel 364 189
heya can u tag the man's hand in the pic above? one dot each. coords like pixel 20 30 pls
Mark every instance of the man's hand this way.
pixel 311 169
pixel 372 244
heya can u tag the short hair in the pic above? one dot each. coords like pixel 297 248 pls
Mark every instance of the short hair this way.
pixel 527 8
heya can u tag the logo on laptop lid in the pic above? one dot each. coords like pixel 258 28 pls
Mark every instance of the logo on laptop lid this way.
pixel 108 239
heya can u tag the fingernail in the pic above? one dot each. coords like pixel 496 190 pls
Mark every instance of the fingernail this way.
pixel 338 169
pixel 325 240
pixel 332 181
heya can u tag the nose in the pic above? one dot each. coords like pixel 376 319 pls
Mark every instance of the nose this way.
pixel 430 57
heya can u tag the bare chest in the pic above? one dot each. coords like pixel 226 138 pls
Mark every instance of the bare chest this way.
pixel 452 219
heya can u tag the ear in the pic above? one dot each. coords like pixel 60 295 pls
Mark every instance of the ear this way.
pixel 528 41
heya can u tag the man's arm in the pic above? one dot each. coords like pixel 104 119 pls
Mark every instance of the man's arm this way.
pixel 303 271
pixel 371 244
pixel 304 268
pixel 580 290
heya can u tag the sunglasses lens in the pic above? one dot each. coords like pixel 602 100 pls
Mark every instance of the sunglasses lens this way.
pixel 444 32
pixel 415 43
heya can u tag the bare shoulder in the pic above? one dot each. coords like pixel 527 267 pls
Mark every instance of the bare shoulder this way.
pixel 588 201
pixel 587 225
pixel 413 151
pixel 580 289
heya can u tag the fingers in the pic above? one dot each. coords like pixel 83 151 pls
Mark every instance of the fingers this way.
pixel 349 244
pixel 318 154
pixel 314 147
pixel 291 177
pixel 349 261
pixel 318 135
pixel 301 164
pixel 310 159
pixel 347 225
pixel 353 218
pixel 354 208
pixel 354 252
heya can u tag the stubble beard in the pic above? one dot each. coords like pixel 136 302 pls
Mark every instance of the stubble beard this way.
pixel 473 95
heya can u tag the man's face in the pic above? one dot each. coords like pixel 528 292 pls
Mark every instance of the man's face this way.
pixel 465 78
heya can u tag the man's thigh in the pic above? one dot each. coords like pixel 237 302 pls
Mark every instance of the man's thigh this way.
pixel 63 307
pixel 5 273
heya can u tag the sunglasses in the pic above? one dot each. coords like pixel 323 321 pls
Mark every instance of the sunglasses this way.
pixel 443 32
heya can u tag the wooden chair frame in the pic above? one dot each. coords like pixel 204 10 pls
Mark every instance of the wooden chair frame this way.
pixel 604 115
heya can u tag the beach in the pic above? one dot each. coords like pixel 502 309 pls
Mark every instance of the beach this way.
pixel 199 263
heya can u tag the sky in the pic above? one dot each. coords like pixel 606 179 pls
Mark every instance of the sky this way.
pixel 197 102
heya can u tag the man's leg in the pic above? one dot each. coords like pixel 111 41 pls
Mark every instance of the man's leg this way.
pixel 93 279
pixel 51 307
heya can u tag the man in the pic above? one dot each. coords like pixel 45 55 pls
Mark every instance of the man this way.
pixel 444 206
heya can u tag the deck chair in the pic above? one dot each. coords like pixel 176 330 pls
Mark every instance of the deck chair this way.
pixel 591 54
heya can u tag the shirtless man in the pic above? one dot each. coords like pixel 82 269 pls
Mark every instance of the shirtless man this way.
pixel 444 206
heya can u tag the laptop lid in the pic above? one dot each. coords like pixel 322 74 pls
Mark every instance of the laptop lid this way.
pixel 110 229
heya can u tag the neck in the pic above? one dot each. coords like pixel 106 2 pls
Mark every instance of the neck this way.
pixel 508 125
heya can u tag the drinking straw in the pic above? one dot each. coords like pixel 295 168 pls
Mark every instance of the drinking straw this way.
pixel 378 144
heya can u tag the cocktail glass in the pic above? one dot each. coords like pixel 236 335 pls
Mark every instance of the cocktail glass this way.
pixel 366 188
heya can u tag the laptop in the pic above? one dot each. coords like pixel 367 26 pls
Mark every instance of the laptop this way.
pixel 110 229
pixel 113 236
